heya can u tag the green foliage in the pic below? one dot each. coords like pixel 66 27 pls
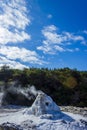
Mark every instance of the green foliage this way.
pixel 6 75
pixel 66 86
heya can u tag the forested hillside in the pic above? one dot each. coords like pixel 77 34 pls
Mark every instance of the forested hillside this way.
pixel 66 86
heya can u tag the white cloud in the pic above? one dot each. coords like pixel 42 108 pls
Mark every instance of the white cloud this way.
pixel 50 28
pixel 73 37
pixel 46 49
pixel 55 41
pixel 58 48
pixel 13 21
pixel 7 36
pixel 11 63
pixel 21 54
pixel 14 18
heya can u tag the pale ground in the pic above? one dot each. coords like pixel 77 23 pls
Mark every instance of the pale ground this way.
pixel 22 116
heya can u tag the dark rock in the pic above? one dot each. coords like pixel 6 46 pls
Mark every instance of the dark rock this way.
pixel 28 124
pixel 83 121
pixel 10 126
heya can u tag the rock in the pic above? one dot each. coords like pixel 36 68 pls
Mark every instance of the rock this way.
pixel 75 110
pixel 28 125
pixel 10 126
pixel 44 114
pixel 84 122
pixel 43 105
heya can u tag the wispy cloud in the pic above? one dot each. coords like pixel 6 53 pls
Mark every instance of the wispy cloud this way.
pixel 55 41
pixel 11 63
pixel 7 36
pixel 73 37
pixel 21 54
pixel 13 21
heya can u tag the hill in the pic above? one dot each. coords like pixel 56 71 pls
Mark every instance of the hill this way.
pixel 66 86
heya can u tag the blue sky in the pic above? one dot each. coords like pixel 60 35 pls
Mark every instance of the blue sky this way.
pixel 43 33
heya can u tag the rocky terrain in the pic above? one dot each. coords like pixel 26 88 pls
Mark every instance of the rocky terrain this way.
pixel 76 110
pixel 44 114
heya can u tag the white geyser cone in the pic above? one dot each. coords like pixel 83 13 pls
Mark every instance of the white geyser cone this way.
pixel 43 105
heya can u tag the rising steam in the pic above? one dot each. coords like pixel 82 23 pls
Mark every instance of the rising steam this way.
pixel 15 94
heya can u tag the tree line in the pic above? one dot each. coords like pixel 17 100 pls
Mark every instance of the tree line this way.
pixel 66 86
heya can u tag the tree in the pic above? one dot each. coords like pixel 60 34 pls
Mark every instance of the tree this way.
pixel 5 75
